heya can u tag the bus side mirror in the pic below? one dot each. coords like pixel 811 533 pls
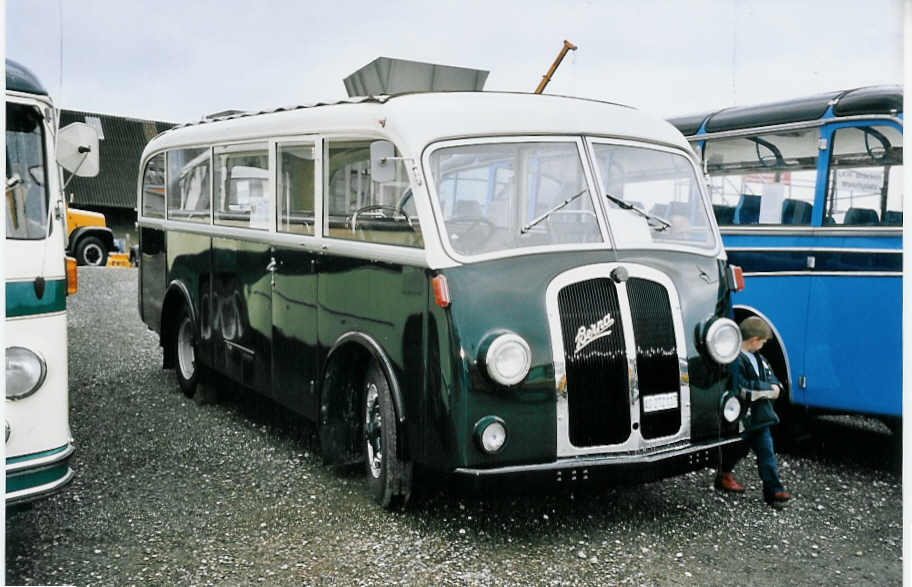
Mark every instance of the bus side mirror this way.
pixel 77 149
pixel 383 168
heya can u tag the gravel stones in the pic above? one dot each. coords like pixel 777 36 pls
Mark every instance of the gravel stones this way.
pixel 168 491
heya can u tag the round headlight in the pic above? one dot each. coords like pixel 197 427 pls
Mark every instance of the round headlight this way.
pixel 723 340
pixel 490 434
pixel 731 409
pixel 508 359
pixel 25 372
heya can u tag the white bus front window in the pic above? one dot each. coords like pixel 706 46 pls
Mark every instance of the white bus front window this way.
pixel 502 196
pixel 661 184
pixel 26 184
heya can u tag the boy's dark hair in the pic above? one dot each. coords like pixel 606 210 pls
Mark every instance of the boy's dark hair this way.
pixel 755 327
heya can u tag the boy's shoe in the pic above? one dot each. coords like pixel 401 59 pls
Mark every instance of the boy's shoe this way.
pixel 727 482
pixel 777 498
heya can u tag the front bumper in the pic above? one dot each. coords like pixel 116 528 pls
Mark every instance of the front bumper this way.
pixel 35 476
pixel 599 469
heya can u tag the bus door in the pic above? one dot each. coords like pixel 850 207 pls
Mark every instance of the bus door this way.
pixel 294 278
pixel 241 265
pixel 856 287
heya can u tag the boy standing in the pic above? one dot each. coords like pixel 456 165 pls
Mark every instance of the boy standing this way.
pixel 755 375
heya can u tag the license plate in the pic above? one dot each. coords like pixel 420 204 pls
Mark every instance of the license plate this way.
pixel 659 402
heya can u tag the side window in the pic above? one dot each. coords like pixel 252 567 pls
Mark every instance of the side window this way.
pixel 358 208
pixel 866 177
pixel 188 184
pixel 242 186
pixel 295 193
pixel 763 179
pixel 153 187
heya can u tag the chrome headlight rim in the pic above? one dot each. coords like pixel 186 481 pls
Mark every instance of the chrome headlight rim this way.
pixel 731 406
pixel 483 427
pixel 500 344
pixel 28 354
pixel 712 331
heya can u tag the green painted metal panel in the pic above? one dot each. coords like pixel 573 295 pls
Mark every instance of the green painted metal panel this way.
pixel 29 479
pixel 23 300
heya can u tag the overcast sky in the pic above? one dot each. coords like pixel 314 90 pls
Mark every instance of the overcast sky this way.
pixel 176 60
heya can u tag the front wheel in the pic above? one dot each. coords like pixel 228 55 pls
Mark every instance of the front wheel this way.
pixel 389 479
pixel 186 364
pixel 92 252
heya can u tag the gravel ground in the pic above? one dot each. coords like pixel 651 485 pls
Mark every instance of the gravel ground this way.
pixel 168 491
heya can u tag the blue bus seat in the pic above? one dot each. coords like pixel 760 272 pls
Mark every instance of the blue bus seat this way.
pixel 861 217
pixel 748 210
pixel 893 218
pixel 724 214
pixel 796 212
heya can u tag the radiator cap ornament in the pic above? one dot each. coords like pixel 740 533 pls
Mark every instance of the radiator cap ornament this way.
pixel 619 274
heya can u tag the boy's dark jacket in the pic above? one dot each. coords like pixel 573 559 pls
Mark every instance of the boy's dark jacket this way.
pixel 761 412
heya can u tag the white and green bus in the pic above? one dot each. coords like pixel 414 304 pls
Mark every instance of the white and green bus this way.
pixel 38 279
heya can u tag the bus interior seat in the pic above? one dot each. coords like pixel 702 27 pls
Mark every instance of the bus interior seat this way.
pixel 829 220
pixel 796 212
pixel 861 217
pixel 724 214
pixel 748 209
pixel 893 218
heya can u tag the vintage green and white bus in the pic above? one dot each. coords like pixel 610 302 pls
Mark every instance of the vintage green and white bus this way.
pixel 498 287
pixel 38 280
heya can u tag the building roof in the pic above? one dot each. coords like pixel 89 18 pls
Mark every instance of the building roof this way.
pixel 121 142
pixel 867 100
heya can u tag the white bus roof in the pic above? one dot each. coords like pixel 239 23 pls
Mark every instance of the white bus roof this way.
pixel 415 120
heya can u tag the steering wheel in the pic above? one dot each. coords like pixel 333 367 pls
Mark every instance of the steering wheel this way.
pixel 382 208
pixel 472 222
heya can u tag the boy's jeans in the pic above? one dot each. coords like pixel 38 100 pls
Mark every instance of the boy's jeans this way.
pixel 761 441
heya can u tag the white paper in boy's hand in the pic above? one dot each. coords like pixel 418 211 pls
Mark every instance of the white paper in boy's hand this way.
pixel 760 394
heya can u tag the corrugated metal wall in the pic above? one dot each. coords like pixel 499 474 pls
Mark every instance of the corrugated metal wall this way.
pixel 120 149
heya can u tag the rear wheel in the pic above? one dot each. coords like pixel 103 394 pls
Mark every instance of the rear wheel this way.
pixel 91 251
pixel 389 479
pixel 185 349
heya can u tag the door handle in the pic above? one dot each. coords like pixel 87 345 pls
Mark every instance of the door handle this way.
pixel 271 267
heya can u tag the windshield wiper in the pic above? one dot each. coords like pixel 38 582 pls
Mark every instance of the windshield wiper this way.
pixel 663 224
pixel 535 221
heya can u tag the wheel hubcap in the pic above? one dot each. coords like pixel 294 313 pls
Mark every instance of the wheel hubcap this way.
pixel 186 354
pixel 373 430
pixel 92 254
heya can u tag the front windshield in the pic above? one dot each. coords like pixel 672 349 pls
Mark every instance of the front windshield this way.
pixel 26 180
pixel 500 196
pixel 662 184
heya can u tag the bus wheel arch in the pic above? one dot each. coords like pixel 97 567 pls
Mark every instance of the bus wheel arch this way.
pixel 776 352
pixel 177 298
pixel 355 364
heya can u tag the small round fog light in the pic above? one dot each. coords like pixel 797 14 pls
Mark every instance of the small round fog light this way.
pixel 490 434
pixel 731 409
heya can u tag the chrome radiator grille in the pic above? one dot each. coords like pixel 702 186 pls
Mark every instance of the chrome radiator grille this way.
pixel 619 356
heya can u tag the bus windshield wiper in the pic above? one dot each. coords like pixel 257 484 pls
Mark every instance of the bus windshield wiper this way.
pixel 663 224
pixel 535 221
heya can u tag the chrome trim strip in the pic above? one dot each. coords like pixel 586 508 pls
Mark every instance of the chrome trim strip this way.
pixel 238 347
pixel 41 463
pixel 755 130
pixel 33 316
pixel 828 274
pixel 598 461
pixel 773 230
pixel 39 491
pixel 813 250
pixel 318 245
pixel 635 442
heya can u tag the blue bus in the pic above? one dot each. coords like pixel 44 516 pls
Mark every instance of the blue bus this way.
pixel 808 195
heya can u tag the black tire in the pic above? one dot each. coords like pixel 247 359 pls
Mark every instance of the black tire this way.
pixel 389 479
pixel 92 251
pixel 184 347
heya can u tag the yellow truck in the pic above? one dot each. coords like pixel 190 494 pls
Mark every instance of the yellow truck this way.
pixel 90 240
